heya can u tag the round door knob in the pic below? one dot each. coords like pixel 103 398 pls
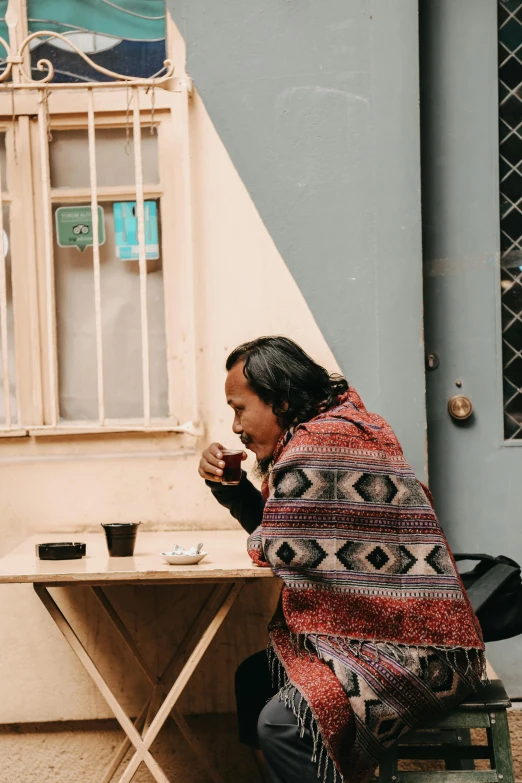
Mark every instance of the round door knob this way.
pixel 460 407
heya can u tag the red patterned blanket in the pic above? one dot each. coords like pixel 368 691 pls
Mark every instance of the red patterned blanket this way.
pixel 374 629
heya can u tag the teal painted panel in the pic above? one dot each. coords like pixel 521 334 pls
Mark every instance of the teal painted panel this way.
pixel 127 37
pixel 141 20
pixel 4 33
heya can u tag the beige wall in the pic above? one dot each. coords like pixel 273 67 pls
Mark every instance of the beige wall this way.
pixel 243 290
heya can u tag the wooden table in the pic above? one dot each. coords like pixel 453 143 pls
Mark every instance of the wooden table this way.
pixel 227 566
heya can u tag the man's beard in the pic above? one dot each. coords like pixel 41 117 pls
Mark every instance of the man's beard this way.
pixel 262 467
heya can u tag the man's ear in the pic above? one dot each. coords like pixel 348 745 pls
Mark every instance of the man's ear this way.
pixel 282 408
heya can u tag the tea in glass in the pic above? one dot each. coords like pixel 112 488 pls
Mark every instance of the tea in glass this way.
pixel 232 469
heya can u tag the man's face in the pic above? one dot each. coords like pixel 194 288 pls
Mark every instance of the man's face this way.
pixel 254 421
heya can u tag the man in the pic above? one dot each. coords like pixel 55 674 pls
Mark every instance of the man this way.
pixel 374 631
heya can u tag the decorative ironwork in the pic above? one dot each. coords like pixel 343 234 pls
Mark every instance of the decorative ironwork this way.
pixel 510 160
pixel 26 80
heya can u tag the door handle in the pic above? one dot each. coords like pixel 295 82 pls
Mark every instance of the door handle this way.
pixel 460 407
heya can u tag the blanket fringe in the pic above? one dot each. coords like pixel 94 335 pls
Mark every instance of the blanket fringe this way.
pixel 276 668
pixel 468 662
pixel 294 700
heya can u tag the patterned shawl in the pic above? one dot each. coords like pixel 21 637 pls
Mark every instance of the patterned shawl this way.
pixel 374 631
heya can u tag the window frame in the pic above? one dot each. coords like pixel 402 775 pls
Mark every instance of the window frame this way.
pixel 33 289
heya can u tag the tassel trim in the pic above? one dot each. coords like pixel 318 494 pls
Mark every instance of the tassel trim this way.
pixel 469 663
pixel 473 668
pixel 294 700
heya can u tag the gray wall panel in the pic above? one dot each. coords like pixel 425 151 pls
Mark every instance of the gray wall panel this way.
pixel 475 476
pixel 317 105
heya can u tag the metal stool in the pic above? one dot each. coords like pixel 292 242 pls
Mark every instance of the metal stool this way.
pixel 449 739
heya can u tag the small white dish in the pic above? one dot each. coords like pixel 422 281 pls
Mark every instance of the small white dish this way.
pixel 183 559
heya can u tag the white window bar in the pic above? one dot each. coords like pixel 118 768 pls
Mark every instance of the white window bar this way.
pixel 3 318
pixel 140 213
pixel 92 194
pixel 96 256
pixel 48 247
pixel 186 88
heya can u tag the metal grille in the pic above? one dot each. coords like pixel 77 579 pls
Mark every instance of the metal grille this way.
pixel 510 135
pixel 136 195
pixel 103 351
pixel 9 409
pixel 127 36
pixel 161 340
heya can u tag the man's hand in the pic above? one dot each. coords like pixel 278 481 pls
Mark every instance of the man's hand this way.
pixel 211 463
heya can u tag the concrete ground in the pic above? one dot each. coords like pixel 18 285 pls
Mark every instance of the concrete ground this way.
pixel 79 752
pixel 515 730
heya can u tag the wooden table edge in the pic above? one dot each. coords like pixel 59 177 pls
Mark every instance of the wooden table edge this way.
pixel 145 579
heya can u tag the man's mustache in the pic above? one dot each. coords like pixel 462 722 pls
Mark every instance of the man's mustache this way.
pixel 245 440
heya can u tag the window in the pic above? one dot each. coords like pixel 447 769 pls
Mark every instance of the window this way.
pixel 125 36
pixel 96 307
pixel 510 133
pixel 8 397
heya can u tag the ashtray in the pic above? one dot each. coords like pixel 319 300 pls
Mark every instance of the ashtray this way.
pixel 64 550
pixel 185 559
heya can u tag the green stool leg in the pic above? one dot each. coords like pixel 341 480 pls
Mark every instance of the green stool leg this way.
pixel 388 767
pixel 462 737
pixel 501 746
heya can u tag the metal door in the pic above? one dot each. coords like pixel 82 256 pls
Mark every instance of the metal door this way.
pixel 473 276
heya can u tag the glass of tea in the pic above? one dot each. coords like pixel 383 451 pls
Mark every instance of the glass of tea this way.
pixel 232 469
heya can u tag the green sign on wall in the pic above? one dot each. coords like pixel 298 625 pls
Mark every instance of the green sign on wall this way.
pixel 74 227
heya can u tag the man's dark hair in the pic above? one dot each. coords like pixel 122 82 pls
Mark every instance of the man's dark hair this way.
pixel 280 372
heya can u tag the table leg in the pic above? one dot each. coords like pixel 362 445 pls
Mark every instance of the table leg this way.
pixel 154 700
pixel 142 751
pixel 201 622
pixel 179 670
pixel 125 745
pixel 142 723
pixel 182 679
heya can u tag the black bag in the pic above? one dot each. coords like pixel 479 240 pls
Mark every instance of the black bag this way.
pixel 494 588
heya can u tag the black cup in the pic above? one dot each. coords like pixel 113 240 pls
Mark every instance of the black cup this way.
pixel 121 538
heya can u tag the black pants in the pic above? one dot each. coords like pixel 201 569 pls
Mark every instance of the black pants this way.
pixel 265 722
